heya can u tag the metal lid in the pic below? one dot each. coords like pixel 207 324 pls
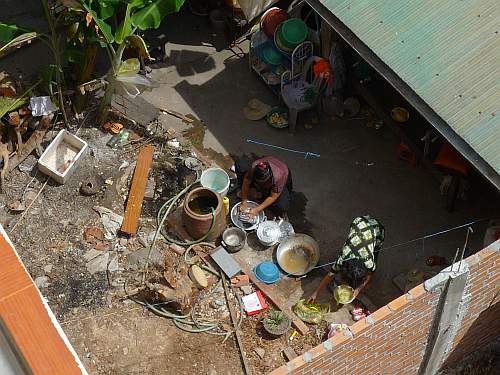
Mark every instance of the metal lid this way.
pixel 268 232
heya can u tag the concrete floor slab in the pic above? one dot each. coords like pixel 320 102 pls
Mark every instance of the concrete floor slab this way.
pixel 356 174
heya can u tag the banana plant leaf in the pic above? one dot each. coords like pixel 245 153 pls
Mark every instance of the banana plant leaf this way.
pixel 102 25
pixel 125 28
pixel 11 104
pixel 12 35
pixel 9 32
pixel 18 40
pixel 129 67
pixel 151 16
pixel 140 46
pixel 108 8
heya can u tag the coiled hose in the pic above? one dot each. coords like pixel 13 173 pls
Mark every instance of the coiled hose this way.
pixel 187 322
pixel 162 217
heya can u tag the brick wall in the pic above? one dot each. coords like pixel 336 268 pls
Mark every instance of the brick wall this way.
pixel 394 338
pixel 481 323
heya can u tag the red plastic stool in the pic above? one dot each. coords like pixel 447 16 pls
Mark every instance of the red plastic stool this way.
pixel 404 153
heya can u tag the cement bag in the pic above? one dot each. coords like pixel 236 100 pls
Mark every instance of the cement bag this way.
pixel 311 312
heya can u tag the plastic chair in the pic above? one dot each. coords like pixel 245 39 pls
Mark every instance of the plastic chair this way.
pixel 296 90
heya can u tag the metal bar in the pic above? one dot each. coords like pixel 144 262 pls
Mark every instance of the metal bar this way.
pixel 407 92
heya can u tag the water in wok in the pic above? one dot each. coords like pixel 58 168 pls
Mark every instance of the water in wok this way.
pixel 298 254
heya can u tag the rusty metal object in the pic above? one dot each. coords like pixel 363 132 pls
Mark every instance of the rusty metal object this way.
pixel 197 214
pixel 91 186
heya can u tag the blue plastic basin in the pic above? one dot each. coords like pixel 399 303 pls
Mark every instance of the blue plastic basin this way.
pixel 267 272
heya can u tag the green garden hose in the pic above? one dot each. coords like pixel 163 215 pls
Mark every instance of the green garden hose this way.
pixel 187 322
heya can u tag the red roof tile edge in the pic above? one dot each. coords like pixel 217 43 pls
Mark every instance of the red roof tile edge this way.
pixel 68 358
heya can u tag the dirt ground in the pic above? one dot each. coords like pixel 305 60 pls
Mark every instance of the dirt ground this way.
pixel 112 334
pixel 484 361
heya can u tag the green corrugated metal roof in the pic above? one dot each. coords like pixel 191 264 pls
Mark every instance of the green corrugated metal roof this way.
pixel 447 51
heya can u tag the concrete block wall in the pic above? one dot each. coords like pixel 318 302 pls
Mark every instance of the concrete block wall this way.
pixel 481 323
pixel 393 339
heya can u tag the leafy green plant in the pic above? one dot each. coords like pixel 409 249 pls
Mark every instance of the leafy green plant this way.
pixel 11 35
pixel 110 24
pixel 276 318
pixel 277 323
pixel 96 25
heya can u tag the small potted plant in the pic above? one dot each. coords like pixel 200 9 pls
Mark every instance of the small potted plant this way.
pixel 277 323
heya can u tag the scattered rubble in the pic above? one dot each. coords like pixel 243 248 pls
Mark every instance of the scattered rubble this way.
pixel 111 221
pixel 42 282
pixel 247 289
pixel 261 352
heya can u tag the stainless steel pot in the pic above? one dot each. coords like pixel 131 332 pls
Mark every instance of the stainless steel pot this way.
pixel 234 239
pixel 298 254
pixel 268 233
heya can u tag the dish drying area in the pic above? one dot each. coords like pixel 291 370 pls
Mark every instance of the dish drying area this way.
pixel 147 234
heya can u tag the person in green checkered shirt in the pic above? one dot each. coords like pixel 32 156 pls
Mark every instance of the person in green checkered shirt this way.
pixel 358 259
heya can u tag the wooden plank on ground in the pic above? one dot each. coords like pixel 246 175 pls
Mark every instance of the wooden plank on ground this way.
pixel 274 297
pixel 289 353
pixel 237 331
pixel 137 190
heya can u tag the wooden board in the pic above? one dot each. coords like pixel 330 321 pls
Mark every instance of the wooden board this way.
pixel 137 190
pixel 237 331
pixel 274 297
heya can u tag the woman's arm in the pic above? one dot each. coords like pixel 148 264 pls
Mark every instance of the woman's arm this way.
pixel 326 280
pixel 362 286
pixel 245 188
pixel 267 202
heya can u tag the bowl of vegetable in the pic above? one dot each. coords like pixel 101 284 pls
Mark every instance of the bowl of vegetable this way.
pixel 343 294
pixel 278 117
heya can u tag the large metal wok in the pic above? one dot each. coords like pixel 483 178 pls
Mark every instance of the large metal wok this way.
pixel 298 254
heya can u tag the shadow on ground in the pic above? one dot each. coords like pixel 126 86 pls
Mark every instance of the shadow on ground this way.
pixel 357 173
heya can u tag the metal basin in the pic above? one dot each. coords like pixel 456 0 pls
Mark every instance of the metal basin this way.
pixel 235 217
pixel 298 254
pixel 234 239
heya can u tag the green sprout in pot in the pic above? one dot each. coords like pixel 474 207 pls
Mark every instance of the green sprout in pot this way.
pixel 277 323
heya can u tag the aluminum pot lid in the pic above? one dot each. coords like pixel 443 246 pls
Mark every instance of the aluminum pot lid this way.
pixel 268 232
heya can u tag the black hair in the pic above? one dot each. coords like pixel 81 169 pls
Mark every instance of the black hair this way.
pixel 262 172
pixel 354 272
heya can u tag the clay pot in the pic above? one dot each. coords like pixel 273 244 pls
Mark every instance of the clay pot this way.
pixel 197 213
pixel 274 328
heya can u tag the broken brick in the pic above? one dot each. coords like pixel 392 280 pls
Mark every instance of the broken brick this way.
pixel 240 280
pixel 91 234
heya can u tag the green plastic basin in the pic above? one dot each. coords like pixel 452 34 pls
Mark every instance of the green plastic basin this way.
pixel 293 32
pixel 271 55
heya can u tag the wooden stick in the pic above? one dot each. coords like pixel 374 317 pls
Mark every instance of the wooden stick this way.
pixel 137 190
pixel 237 332
pixel 275 299
pixel 178 115
pixel 27 208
